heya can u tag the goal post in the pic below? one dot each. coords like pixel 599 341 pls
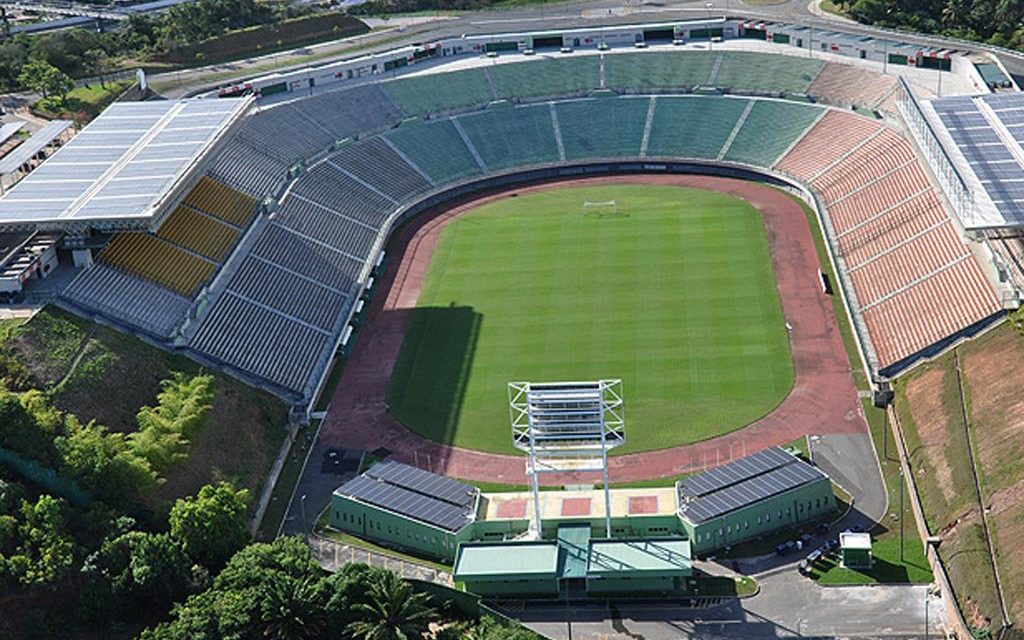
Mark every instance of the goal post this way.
pixel 600 208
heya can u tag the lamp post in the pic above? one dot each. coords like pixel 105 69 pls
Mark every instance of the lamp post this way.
pixel 901 513
pixel 302 509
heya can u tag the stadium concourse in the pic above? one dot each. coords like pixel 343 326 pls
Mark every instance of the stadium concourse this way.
pixel 260 257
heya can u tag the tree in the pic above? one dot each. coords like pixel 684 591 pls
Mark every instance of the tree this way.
pixel 45 552
pixel 140 568
pixel 164 430
pixel 259 563
pixel 212 526
pixel 294 609
pixel 104 462
pixel 34 76
pixel 59 84
pixel 265 590
pixel 490 629
pixel 395 611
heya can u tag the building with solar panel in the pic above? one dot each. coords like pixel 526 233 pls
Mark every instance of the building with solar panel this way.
pixel 751 497
pixel 430 515
pixel 405 507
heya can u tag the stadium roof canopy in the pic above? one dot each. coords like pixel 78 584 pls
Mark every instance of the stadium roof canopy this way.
pixel 119 171
pixel 984 138
pixel 742 483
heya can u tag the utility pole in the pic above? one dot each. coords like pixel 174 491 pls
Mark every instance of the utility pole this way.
pixel 901 512
pixel 925 614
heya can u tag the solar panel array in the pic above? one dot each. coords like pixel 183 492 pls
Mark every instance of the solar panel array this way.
pixel 121 164
pixel 420 481
pixel 734 472
pixel 414 493
pixel 989 156
pixel 742 483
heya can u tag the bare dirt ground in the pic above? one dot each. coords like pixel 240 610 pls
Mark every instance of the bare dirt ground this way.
pixel 992 367
pixel 823 400
pixel 924 394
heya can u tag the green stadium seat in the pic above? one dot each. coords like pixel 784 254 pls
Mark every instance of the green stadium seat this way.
pixel 507 138
pixel 693 126
pixel 437 149
pixel 440 92
pixel 771 127
pixel 602 127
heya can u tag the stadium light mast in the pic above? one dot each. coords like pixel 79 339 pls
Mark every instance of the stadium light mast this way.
pixel 567 427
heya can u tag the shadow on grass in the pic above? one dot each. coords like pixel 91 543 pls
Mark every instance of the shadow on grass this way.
pixel 428 385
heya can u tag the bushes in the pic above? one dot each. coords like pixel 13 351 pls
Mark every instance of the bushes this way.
pixel 113 466
pixel 212 526
pixel 165 430
pixel 35 548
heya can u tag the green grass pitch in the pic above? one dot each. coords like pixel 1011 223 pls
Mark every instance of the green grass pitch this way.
pixel 674 294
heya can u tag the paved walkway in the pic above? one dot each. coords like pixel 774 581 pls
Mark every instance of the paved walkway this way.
pixel 823 400
pixel 333 555
pixel 787 606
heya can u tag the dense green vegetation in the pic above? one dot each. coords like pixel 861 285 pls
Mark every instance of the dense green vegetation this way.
pixel 674 293
pixel 192 27
pixel 277 590
pixel 997 22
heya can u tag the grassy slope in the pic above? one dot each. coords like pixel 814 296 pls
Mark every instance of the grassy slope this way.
pixel 993 379
pixel 928 402
pixel 680 280
pixel 117 374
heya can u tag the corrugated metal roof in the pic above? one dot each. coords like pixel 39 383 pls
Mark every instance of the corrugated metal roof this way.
pixel 664 557
pixel 538 559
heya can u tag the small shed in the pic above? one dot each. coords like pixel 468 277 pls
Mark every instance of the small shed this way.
pixel 855 550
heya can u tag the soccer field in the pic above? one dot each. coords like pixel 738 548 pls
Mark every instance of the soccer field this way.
pixel 674 294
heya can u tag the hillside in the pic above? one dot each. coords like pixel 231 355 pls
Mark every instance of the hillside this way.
pixel 99 374
pixel 941 451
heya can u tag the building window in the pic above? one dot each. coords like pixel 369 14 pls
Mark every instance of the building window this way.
pixel 817 503
pixel 746 524
pixel 719 531
pixel 826 500
pixel 758 519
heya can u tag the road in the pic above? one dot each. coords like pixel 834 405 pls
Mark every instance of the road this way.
pixel 532 17
pixel 787 606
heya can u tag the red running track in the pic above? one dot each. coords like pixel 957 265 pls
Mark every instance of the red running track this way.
pixel 823 400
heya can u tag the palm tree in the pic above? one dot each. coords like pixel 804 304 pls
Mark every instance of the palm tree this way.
pixel 393 611
pixel 294 609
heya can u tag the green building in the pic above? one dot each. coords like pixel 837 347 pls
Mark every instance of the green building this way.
pixel 524 569
pixel 407 508
pixel 430 515
pixel 855 550
pixel 750 498
pixel 574 566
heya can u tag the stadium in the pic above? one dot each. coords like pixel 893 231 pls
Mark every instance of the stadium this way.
pixel 704 209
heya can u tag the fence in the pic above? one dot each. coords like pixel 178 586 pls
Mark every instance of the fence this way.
pixel 333 555
pixel 46 478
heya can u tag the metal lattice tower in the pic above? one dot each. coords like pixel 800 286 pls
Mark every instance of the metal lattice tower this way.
pixel 567 427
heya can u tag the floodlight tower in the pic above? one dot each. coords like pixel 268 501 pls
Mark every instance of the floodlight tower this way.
pixel 567 427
